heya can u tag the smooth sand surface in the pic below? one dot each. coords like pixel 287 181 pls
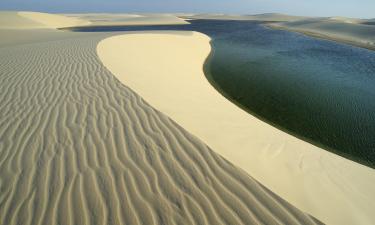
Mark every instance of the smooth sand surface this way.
pixel 348 30
pixel 36 20
pixel 166 69
pixel 79 147
pixel 105 19
pixel 260 17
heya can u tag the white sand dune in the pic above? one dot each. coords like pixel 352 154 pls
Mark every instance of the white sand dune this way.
pixel 12 20
pixel 36 20
pixel 335 28
pixel 166 69
pixel 53 20
pixel 260 17
pixel 129 19
pixel 102 16
pixel 346 19
pixel 79 147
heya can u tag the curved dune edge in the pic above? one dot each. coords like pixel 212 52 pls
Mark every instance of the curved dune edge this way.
pixel 52 20
pixel 12 20
pixel 166 70
pixel 346 30
pixel 79 147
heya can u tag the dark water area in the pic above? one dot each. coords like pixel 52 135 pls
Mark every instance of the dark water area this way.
pixel 317 90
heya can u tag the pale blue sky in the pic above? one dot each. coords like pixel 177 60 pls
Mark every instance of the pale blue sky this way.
pixel 350 8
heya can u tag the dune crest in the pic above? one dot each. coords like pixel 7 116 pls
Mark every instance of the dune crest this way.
pixel 79 147
pixel 347 30
pixel 52 20
pixel 36 20
pixel 257 17
pixel 123 19
pixel 166 69
pixel 12 20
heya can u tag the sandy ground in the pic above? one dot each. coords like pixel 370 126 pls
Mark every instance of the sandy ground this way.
pixel 12 20
pixel 348 30
pixel 36 20
pixel 79 147
pixel 166 69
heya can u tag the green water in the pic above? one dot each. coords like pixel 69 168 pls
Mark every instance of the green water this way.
pixel 320 91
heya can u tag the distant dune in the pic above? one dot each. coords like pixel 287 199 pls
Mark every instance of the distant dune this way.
pixel 12 20
pixel 352 31
pixel 36 20
pixel 360 32
pixel 260 17
pixel 106 19
pixel 369 22
pixel 346 19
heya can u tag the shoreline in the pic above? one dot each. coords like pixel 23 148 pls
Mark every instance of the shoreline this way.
pixel 83 148
pixel 80 146
pixel 321 36
pixel 275 125
pixel 316 176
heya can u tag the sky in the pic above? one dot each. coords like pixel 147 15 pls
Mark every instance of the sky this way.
pixel 348 8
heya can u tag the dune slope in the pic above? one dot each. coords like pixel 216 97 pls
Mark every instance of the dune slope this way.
pixel 36 20
pixel 348 30
pixel 166 69
pixel 79 147
pixel 12 20
pixel 102 19
pixel 53 20
pixel 257 17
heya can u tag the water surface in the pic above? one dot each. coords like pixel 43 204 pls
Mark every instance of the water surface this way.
pixel 320 91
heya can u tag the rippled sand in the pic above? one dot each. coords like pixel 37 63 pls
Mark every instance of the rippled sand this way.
pixel 333 189
pixel 79 147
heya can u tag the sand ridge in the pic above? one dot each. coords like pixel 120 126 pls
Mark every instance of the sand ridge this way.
pixel 12 20
pixel 53 20
pixel 258 17
pixel 347 30
pixel 79 147
pixel 329 187
pixel 36 20
pixel 121 19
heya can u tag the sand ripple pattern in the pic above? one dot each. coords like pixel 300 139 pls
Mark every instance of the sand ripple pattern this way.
pixel 79 147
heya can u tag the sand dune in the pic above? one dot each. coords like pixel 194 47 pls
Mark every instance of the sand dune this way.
pixel 346 19
pixel 79 147
pixel 348 30
pixel 36 20
pixel 12 20
pixel 260 17
pixel 329 187
pixel 370 20
pixel 129 19
pixel 53 20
